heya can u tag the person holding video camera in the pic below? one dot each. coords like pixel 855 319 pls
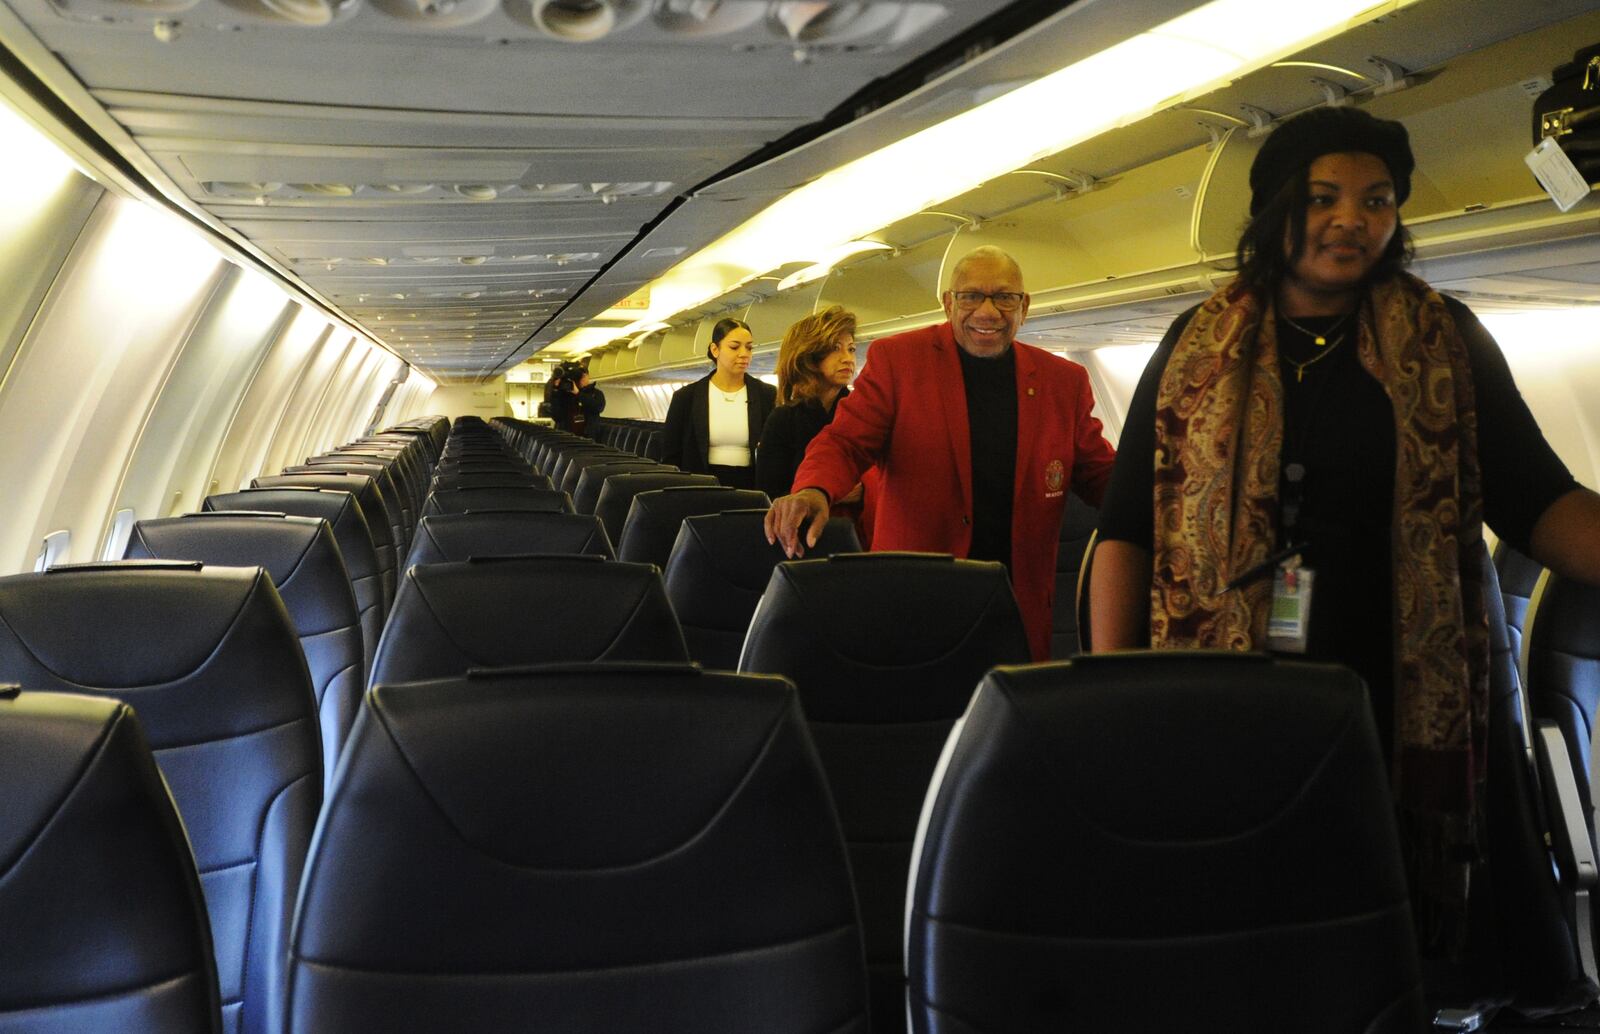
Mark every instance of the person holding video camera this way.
pixel 574 402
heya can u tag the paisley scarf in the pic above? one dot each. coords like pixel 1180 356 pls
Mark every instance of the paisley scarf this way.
pixel 1219 438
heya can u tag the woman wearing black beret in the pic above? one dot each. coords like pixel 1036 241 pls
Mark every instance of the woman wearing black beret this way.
pixel 1329 430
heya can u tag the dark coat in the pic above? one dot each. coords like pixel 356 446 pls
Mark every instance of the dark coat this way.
pixel 686 437
pixel 789 430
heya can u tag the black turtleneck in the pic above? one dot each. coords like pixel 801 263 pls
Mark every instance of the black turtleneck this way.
pixel 991 387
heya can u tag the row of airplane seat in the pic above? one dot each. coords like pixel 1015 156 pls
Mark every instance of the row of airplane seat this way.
pixel 541 815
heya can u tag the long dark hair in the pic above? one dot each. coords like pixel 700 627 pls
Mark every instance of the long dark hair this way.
pixel 720 331
pixel 1263 263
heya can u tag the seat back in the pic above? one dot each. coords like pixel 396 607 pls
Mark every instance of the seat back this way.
pixel 373 507
pixel 653 520
pixel 105 926
pixel 450 480
pixel 453 616
pixel 1518 576
pixel 886 649
pixel 719 567
pixel 398 507
pixel 476 499
pixel 624 849
pixel 1077 527
pixel 1527 946
pixel 210 660
pixel 616 495
pixel 303 561
pixel 350 531
pixel 593 479
pixel 462 536
pixel 578 462
pixel 1561 661
pixel 1117 836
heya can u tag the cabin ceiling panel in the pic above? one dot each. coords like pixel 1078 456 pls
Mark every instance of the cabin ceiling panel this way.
pixel 398 154
pixel 390 55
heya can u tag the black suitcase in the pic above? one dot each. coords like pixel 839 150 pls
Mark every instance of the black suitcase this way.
pixel 1569 111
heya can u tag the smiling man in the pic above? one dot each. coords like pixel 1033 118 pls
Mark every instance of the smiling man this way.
pixel 977 437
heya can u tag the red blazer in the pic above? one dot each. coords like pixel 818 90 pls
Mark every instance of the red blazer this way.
pixel 907 414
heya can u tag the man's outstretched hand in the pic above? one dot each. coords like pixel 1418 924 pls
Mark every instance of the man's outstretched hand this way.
pixel 806 509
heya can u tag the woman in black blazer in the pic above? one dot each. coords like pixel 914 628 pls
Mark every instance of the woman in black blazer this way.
pixel 815 366
pixel 713 425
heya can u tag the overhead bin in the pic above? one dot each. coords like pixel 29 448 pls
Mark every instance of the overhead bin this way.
pixel 770 316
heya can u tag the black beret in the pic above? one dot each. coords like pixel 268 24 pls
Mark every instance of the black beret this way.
pixel 1293 146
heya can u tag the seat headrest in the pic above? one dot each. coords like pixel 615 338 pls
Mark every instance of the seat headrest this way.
pixel 168 640
pixel 105 924
pixel 473 498
pixel 654 517
pixel 886 636
pixel 461 536
pixel 730 550
pixel 573 804
pixel 453 616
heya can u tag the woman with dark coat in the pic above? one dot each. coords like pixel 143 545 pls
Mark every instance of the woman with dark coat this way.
pixel 816 363
pixel 713 424
pixel 1327 413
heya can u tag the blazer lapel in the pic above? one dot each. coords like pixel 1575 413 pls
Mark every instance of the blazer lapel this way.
pixel 1028 403
pixel 755 409
pixel 700 420
pixel 953 398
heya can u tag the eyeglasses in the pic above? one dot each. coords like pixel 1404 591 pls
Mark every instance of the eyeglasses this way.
pixel 1005 301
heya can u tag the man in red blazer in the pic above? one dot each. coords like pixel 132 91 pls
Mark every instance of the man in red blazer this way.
pixel 977 438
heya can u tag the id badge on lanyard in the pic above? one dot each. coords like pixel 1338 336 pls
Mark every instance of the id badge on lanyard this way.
pixel 1289 618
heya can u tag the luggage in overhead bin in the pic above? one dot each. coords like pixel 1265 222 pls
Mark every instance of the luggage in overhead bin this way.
pixel 1569 111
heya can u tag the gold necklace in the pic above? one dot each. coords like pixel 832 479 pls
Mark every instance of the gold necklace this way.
pixel 1300 368
pixel 1320 340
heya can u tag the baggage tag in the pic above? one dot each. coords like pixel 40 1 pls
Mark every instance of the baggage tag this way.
pixel 1289 619
pixel 1556 174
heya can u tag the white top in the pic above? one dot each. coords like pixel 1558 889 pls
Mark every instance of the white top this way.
pixel 730 427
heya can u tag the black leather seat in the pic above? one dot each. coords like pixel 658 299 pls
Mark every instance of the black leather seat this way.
pixel 718 570
pixel 616 495
pixel 104 924
pixel 303 561
pixel 1077 526
pixel 454 616
pixel 578 462
pixel 1518 575
pixel 1159 842
pixel 475 500
pixel 886 649
pixel 401 517
pixel 567 457
pixel 593 479
pixel 452 480
pixel 350 531
pixel 625 849
pixel 653 520
pixel 209 659
pixel 1561 649
pixel 373 506
pixel 462 536
pixel 1527 948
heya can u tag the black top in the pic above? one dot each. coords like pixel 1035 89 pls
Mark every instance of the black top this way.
pixel 789 430
pixel 589 401
pixel 1338 423
pixel 991 386
pixel 686 434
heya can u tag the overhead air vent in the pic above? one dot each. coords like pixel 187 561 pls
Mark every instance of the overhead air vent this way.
pixel 310 12
pixel 689 18
pixel 577 21
pixel 440 14
pixel 827 21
